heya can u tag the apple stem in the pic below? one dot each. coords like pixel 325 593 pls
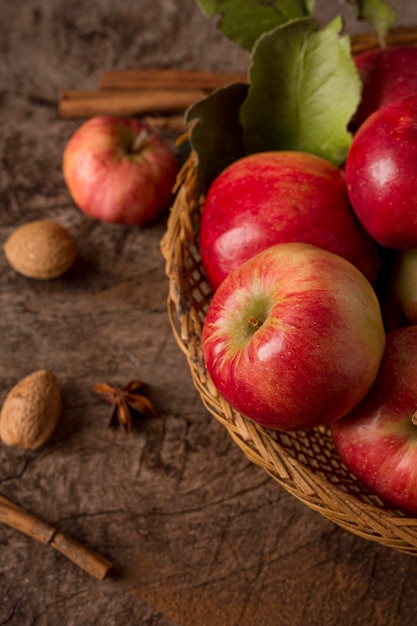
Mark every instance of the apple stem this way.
pixel 414 418
pixel 255 322
pixel 140 140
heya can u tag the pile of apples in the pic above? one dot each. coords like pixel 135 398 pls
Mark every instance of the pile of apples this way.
pixel 313 319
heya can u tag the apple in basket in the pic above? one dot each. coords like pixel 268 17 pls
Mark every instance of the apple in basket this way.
pixel 293 338
pixel 119 170
pixel 402 280
pixel 387 74
pixel 381 174
pixel 276 197
pixel 378 440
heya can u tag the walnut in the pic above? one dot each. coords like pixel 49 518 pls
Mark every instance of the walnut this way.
pixel 31 411
pixel 40 249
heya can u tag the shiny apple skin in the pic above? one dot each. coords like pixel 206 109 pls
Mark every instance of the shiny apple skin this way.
pixel 387 74
pixel 381 176
pixel 378 441
pixel 319 343
pixel 277 197
pixel 111 180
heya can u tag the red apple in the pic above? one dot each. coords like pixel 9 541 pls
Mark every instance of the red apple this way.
pixel 387 74
pixel 293 337
pixel 378 440
pixel 381 174
pixel 277 197
pixel 119 170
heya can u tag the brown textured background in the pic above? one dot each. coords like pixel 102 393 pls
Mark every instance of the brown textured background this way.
pixel 198 536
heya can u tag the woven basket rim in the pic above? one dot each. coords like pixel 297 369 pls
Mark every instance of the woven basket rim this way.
pixel 340 498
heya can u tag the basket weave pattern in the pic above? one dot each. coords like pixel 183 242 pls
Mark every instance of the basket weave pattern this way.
pixel 304 463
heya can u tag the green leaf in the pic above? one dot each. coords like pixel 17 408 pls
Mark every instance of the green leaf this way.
pixel 379 14
pixel 217 134
pixel 244 22
pixel 304 91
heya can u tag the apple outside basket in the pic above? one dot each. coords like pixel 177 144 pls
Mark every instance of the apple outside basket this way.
pixel 304 463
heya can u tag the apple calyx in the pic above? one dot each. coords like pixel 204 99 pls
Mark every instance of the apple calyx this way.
pixel 255 322
pixel 256 313
pixel 414 418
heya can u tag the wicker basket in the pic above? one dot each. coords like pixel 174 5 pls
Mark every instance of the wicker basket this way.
pixel 304 463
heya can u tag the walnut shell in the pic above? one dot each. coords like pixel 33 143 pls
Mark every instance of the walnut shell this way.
pixel 40 249
pixel 31 411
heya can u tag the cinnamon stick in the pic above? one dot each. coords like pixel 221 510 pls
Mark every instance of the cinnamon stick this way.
pixel 125 102
pixel 35 527
pixel 403 35
pixel 177 80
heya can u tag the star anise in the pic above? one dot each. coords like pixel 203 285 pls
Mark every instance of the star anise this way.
pixel 125 400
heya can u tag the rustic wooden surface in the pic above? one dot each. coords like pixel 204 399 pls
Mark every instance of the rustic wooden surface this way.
pixel 198 536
